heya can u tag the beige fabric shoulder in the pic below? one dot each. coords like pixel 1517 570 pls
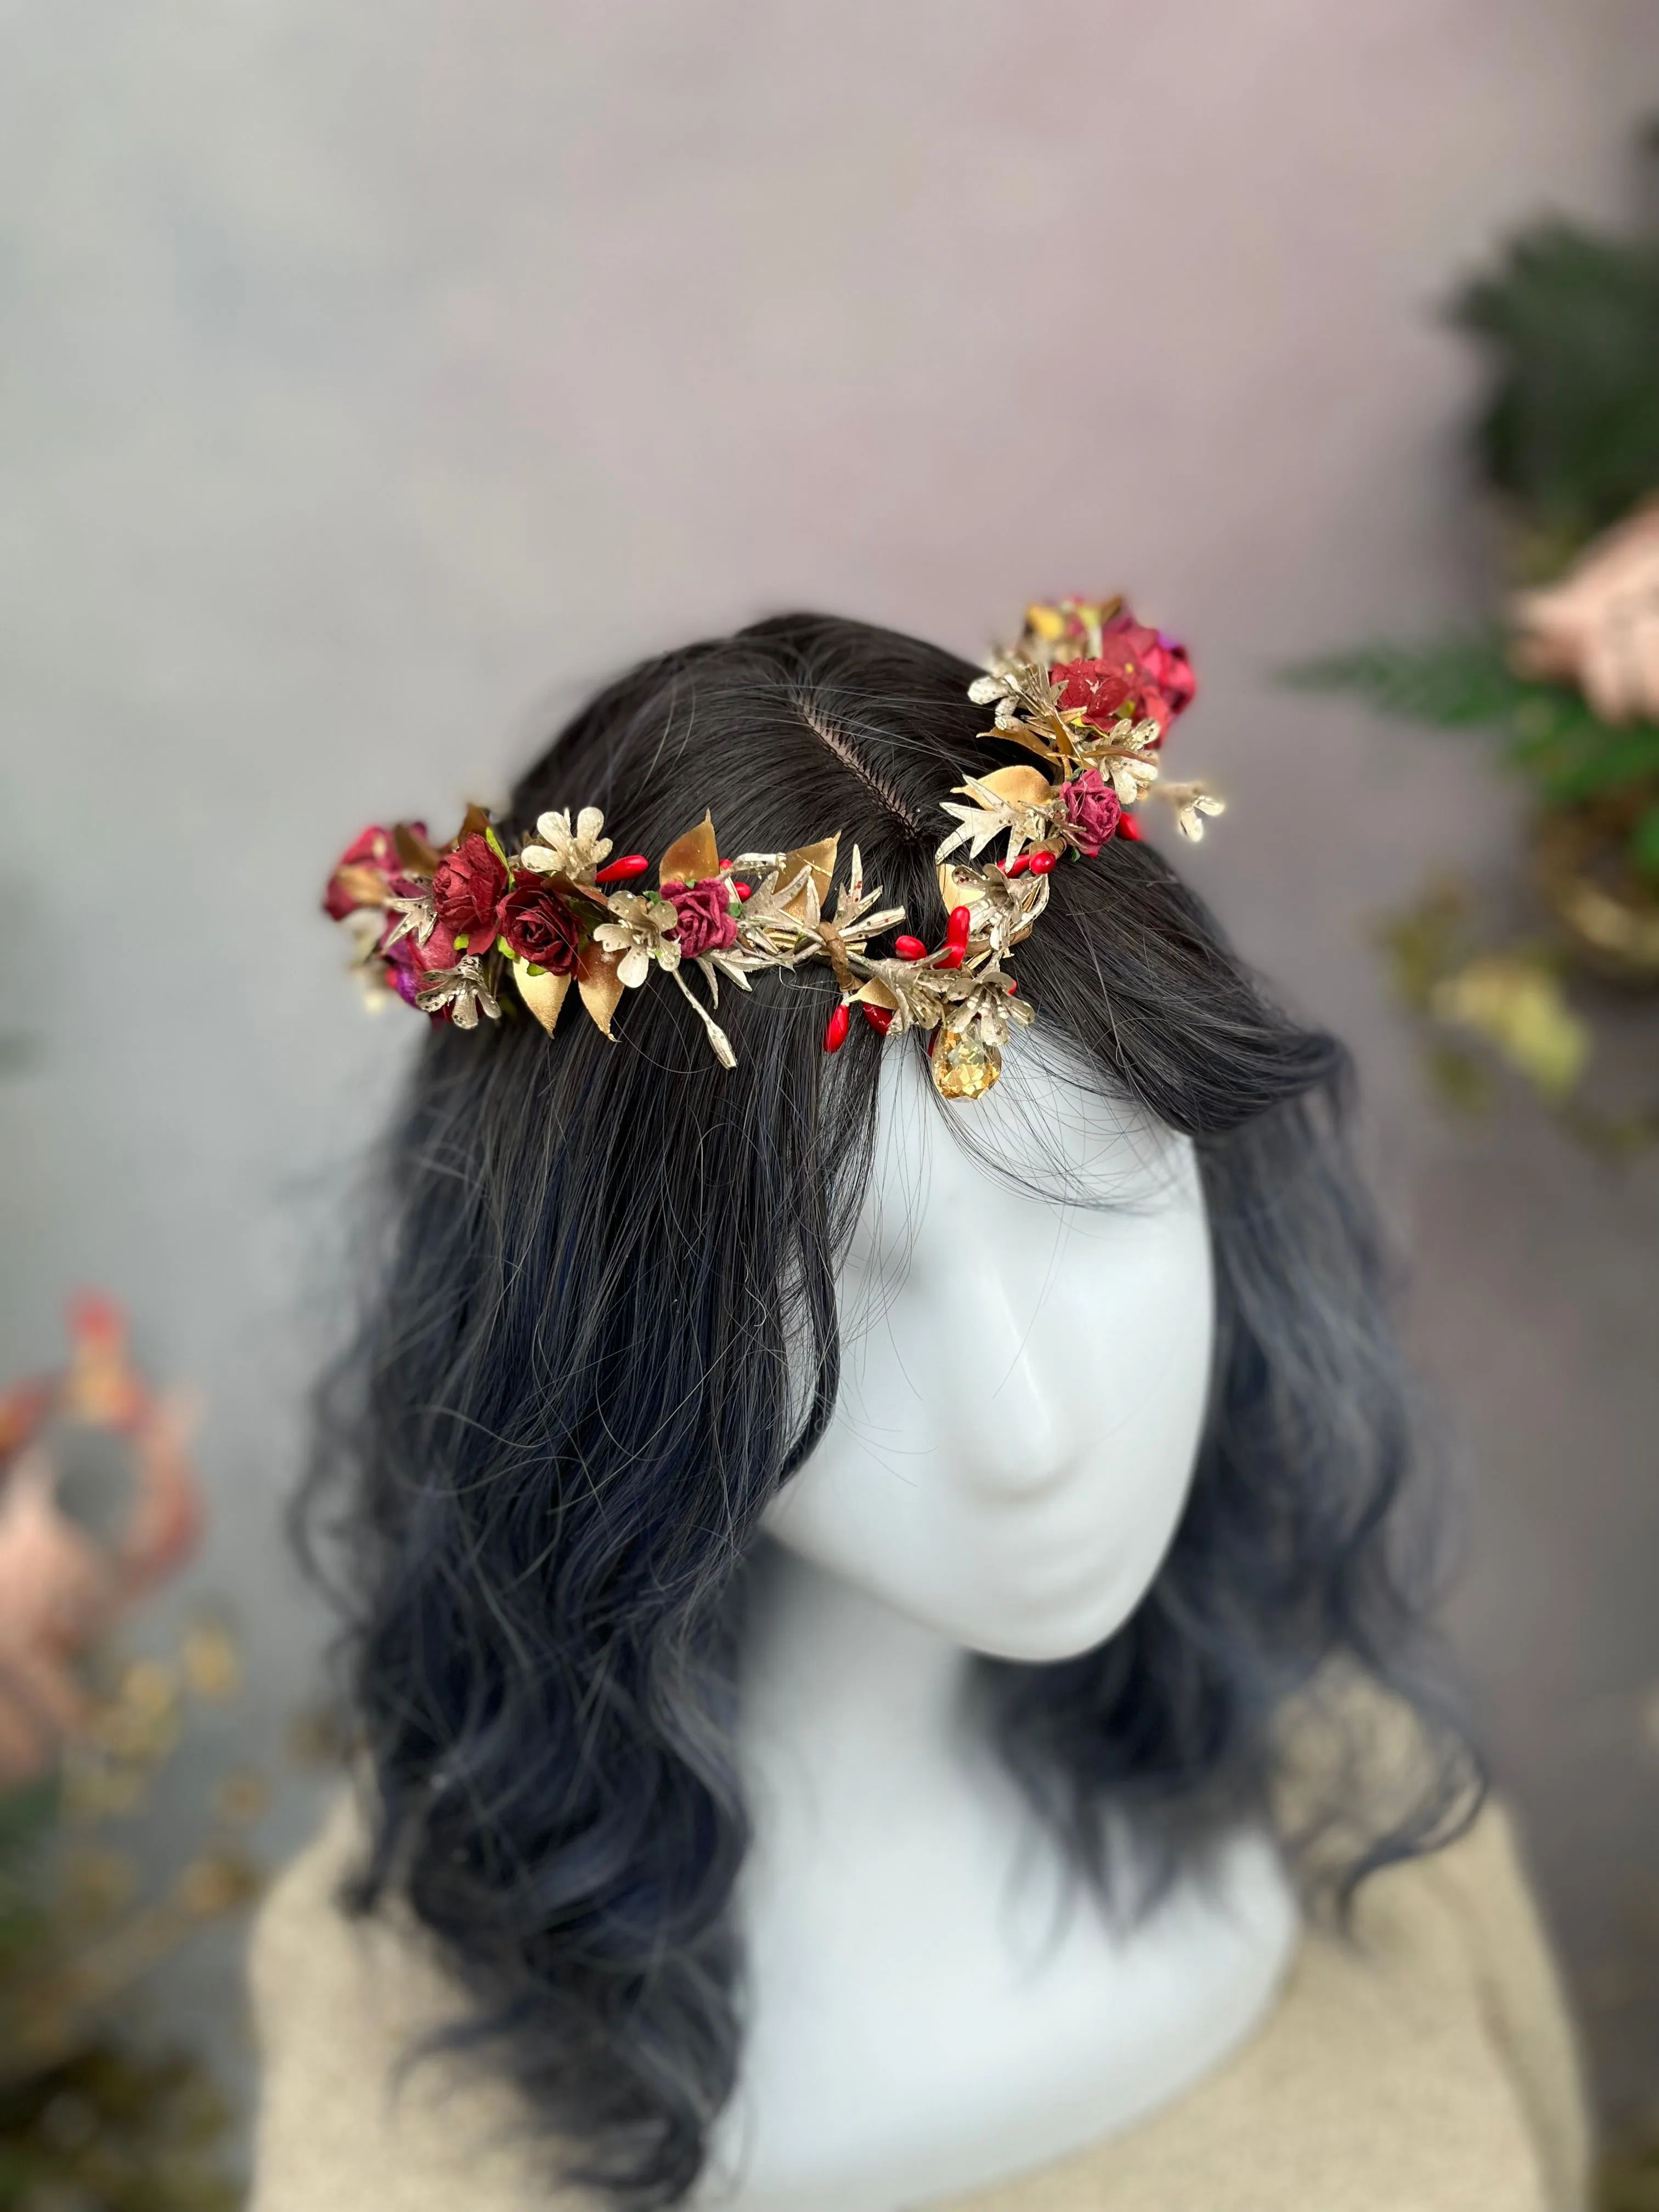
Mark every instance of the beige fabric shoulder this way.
pixel 1428 2065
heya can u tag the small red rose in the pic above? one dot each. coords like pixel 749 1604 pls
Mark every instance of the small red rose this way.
pixel 706 923
pixel 1099 690
pixel 535 922
pixel 1139 672
pixel 465 890
pixel 1092 809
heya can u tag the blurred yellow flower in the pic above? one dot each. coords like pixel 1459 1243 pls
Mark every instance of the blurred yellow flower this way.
pixel 1518 1004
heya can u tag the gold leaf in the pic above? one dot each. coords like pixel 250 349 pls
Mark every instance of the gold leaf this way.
pixel 875 993
pixel 954 891
pixel 543 993
pixel 476 823
pixel 821 859
pixel 1019 784
pixel 366 885
pixel 419 858
pixel 599 984
pixel 691 858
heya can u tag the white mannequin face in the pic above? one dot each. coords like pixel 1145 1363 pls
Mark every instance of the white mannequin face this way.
pixel 1024 1381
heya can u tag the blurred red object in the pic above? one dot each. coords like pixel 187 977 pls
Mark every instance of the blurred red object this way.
pixel 61 1586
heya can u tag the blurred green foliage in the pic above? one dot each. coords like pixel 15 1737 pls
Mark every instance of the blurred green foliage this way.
pixel 1569 322
pixel 1549 734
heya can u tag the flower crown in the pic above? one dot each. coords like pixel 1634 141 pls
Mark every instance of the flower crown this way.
pixel 1087 689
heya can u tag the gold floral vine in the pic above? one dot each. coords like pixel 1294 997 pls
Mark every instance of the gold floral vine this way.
pixel 1087 690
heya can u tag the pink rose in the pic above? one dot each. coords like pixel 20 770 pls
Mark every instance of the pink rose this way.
pixel 1090 807
pixel 465 890
pixel 1139 672
pixel 706 923
pixel 1168 684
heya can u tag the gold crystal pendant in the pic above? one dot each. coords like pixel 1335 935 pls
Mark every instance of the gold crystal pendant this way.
pixel 965 1066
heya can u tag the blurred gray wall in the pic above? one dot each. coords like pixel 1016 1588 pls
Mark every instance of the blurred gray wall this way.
pixel 376 379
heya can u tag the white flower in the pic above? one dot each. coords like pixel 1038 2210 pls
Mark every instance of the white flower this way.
pixel 1191 803
pixel 638 929
pixel 564 851
pixel 463 990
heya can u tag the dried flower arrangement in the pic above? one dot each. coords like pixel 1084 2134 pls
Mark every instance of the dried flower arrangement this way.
pixel 90 2115
pixel 1087 689
pixel 1567 445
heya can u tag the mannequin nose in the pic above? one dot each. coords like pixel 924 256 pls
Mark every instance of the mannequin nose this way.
pixel 1007 1411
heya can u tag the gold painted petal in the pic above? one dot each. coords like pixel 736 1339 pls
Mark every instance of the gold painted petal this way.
pixel 959 891
pixel 598 985
pixel 1021 786
pixel 820 859
pixel 367 885
pixel 691 858
pixel 544 994
pixel 419 858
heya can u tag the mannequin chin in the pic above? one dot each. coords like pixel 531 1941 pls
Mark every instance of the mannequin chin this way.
pixel 1024 1381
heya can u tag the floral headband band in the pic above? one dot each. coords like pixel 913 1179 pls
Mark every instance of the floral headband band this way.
pixel 1087 689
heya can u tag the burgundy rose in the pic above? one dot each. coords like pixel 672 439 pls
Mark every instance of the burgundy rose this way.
pixel 706 923
pixel 1092 809
pixel 538 925
pixel 465 890
pixel 361 873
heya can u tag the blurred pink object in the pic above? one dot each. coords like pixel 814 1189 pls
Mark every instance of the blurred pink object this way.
pixel 1598 627
pixel 60 1587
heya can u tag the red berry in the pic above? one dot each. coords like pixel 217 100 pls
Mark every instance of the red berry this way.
pixel 835 1028
pixel 951 957
pixel 1042 863
pixel 631 864
pixel 956 929
pixel 909 948
pixel 1013 984
pixel 880 1018
pixel 1129 827
pixel 1015 867
pixel 743 890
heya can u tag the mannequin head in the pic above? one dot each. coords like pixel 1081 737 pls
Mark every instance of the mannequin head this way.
pixel 626 1301
pixel 1024 1368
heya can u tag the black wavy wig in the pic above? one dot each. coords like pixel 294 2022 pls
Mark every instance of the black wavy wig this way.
pixel 581 1376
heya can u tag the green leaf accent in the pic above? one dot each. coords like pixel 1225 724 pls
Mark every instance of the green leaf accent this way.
pixel 1645 841
pixel 1549 732
pixel 1456 682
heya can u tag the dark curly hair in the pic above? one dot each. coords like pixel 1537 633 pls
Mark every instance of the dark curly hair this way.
pixel 579 1379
